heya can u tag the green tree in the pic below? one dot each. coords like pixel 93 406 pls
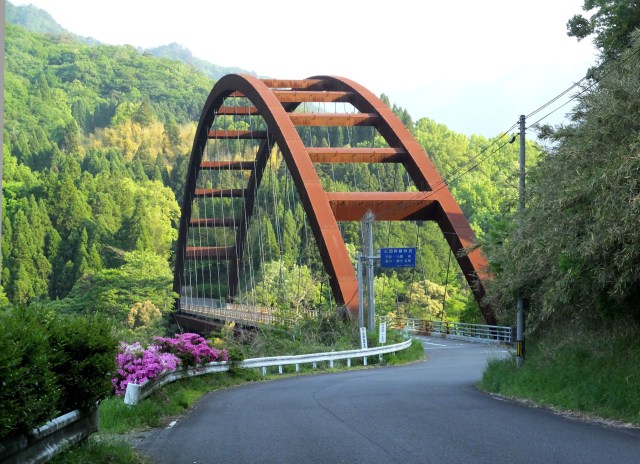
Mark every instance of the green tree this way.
pixel 172 133
pixel 144 276
pixel 292 288
pixel 71 137
pixel 28 266
pixel 144 115
pixel 612 24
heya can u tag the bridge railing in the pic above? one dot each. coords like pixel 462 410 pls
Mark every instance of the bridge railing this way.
pixel 461 330
pixel 210 308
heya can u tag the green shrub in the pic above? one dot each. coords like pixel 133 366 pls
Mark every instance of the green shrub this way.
pixel 29 392
pixel 83 352
pixel 50 365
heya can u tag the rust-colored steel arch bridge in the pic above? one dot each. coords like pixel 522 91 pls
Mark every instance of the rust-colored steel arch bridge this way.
pixel 277 102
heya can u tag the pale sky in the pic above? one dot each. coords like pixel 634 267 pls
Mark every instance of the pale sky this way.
pixel 472 65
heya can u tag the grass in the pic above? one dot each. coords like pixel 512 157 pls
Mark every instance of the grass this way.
pixel 415 352
pixel 593 373
pixel 167 402
pixel 100 451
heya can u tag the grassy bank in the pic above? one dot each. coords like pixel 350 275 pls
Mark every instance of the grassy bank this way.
pixel 596 373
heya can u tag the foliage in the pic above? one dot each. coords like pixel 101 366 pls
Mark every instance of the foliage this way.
pixel 144 276
pixel 32 18
pixel 576 370
pixel 137 364
pixel 578 254
pixel 29 395
pixel 81 355
pixel 192 349
pixel 85 160
pixel 142 314
pixel 50 364
pixel 177 52
pixel 293 284
pixel 612 23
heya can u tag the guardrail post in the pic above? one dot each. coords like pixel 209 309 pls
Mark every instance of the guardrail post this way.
pixel 132 394
pixel 297 367
pixel 264 371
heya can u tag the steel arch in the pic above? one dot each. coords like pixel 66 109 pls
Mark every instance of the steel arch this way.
pixel 275 101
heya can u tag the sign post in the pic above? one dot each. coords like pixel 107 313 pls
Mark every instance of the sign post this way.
pixel 382 336
pixel 363 338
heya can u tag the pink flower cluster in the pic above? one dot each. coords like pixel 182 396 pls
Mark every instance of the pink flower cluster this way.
pixel 191 349
pixel 137 365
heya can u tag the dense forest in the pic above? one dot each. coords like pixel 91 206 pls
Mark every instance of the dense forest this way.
pixel 97 140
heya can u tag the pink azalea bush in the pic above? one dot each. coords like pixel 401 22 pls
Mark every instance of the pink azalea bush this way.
pixel 137 365
pixel 191 349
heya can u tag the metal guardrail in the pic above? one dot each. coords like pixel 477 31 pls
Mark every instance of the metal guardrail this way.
pixel 461 330
pixel 137 392
pixel 48 440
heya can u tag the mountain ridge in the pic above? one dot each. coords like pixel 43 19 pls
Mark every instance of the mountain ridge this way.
pixel 38 20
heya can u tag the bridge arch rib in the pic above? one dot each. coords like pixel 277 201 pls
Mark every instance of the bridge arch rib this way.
pixel 276 101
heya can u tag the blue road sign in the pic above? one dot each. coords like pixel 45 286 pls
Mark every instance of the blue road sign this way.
pixel 397 257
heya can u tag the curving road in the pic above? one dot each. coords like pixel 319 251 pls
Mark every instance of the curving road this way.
pixel 427 412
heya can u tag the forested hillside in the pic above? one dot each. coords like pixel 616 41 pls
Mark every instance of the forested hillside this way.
pixel 97 139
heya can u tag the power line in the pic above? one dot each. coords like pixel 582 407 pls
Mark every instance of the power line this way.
pixel 540 108
pixel 596 80
pixel 556 98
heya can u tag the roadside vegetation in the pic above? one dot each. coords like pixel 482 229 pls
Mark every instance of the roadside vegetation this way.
pixel 576 259
pixel 118 420
pixel 593 373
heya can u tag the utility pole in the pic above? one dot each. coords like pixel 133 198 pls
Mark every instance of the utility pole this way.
pixel 369 256
pixel 360 257
pixel 521 206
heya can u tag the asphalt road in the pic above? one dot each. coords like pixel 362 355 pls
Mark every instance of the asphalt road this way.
pixel 427 412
